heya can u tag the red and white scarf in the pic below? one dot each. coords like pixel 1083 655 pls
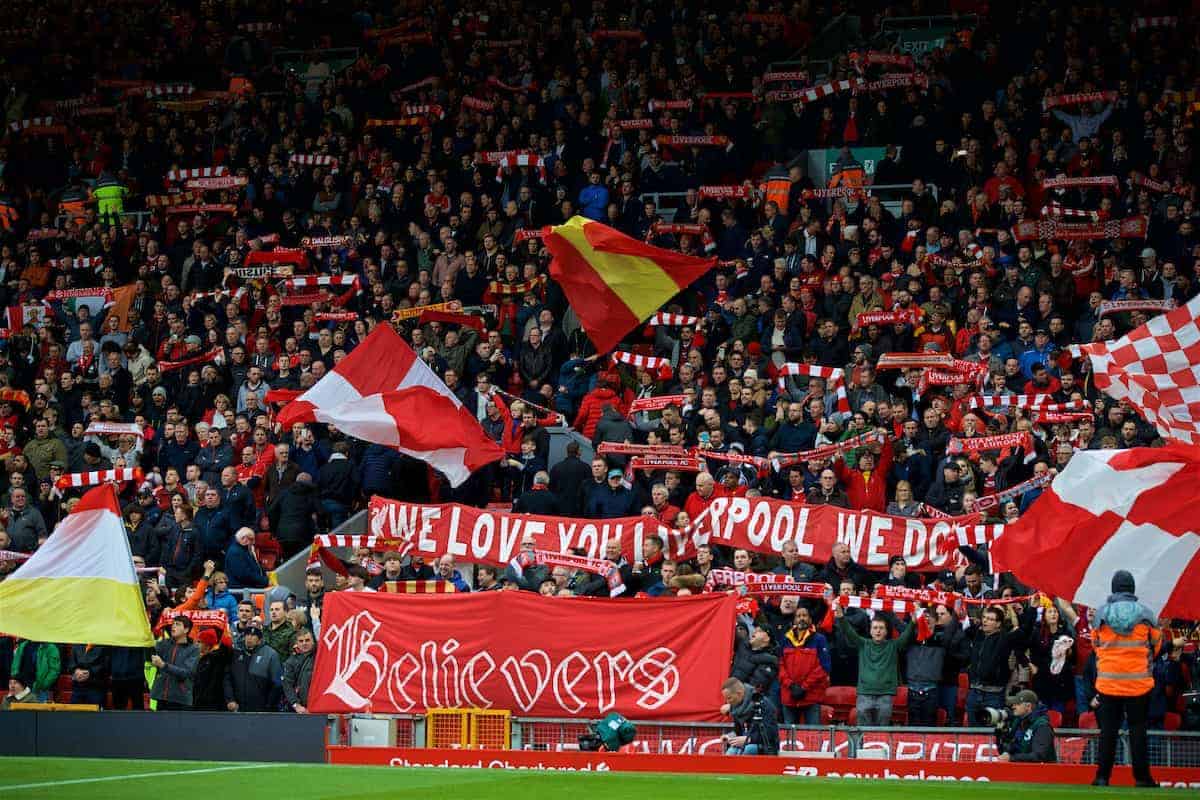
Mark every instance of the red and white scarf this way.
pixel 627 449
pixel 1038 402
pixel 79 262
pixel 1059 211
pixel 211 184
pixel 114 429
pixel 203 358
pixel 306 281
pixel 1145 23
pixel 663 318
pixel 524 234
pixel 694 141
pixel 906 316
pixel 313 242
pixel 1128 228
pixel 657 403
pixel 760 583
pixel 784 460
pixel 648 363
pixel 179 175
pixel 874 58
pixel 598 566
pixel 914 361
pixel 677 463
pixel 308 160
pixel 335 316
pixel 919 615
pixel 999 441
pixel 66 294
pixel 1140 180
pixel 78 480
pixel 1081 182
pixel 1078 98
pixel 834 377
pixel 669 105
pixel 998 499
pixel 727 191
pixel 1122 306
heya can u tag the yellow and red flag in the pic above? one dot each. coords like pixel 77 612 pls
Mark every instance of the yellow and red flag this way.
pixel 615 282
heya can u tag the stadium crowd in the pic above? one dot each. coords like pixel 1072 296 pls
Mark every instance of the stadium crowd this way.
pixel 418 175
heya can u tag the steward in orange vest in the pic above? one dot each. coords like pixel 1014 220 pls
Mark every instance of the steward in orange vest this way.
pixel 1127 641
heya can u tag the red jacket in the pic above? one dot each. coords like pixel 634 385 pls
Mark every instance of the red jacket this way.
pixel 592 408
pixel 695 504
pixel 867 491
pixel 802 665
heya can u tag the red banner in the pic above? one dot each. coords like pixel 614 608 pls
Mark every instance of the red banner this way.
pixel 896 768
pixel 763 525
pixel 494 537
pixel 492 651
pixel 760 525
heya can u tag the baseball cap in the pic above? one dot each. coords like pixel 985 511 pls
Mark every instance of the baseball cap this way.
pixel 1148 252
pixel 615 473
pixel 193 339
pixel 1023 696
pixel 254 630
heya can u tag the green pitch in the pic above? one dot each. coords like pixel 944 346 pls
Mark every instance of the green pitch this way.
pixel 101 779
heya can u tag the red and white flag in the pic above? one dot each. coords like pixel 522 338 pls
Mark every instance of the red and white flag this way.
pixel 383 393
pixel 1111 510
pixel 1156 367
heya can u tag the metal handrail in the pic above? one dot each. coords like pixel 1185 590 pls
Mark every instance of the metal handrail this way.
pixel 896 24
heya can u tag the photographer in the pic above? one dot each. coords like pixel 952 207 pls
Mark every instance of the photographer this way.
pixel 755 728
pixel 1026 733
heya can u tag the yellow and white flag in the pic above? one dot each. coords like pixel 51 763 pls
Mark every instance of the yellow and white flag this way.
pixel 80 587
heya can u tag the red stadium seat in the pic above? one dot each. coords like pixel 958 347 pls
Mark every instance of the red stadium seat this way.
pixel 1172 721
pixel 1087 721
pixel 842 699
pixel 826 715
pixel 900 706
pixel 270 552
pixel 1056 717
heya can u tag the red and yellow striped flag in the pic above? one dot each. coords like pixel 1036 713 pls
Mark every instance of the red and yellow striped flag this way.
pixel 615 282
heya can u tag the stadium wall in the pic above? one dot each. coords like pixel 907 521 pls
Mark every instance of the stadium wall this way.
pixel 174 735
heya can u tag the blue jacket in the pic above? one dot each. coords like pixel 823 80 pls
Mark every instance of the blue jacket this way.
pixel 1034 356
pixel 789 438
pixel 243 571
pixel 604 503
pixel 214 529
pixel 376 469
pixel 593 201
pixel 178 455
pixel 224 601
pixel 1122 612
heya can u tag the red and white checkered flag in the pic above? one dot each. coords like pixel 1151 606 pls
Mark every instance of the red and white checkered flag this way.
pixel 1110 510
pixel 1156 367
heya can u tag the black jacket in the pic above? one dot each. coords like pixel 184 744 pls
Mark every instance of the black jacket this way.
pixel 297 675
pixel 292 512
pixel 96 659
pixel 208 691
pixel 566 478
pixel 253 680
pixel 759 668
pixel 239 502
pixel 538 501
pixel 987 656
pixel 937 658
pixel 337 480
pixel 143 541
pixel 832 574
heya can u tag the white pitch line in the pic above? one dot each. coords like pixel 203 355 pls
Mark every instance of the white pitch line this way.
pixel 72 782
